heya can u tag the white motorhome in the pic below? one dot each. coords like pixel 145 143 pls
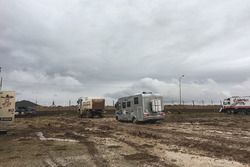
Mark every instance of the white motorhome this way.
pixel 7 106
pixel 140 108
pixel 236 104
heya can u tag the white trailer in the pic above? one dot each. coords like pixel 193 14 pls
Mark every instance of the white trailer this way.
pixel 236 104
pixel 7 109
pixel 140 108
pixel 7 106
pixel 91 106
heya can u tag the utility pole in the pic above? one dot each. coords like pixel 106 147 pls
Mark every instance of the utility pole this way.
pixel 53 103
pixel 182 76
pixel 1 79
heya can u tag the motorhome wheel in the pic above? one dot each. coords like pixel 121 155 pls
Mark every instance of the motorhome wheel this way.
pixel 134 120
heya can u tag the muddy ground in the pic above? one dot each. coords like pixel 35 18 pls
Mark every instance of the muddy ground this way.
pixel 185 139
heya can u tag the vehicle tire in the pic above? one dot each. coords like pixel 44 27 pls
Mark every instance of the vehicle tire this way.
pixel 247 111
pixel 153 121
pixel 100 115
pixel 29 115
pixel 79 114
pixel 89 114
pixel 134 120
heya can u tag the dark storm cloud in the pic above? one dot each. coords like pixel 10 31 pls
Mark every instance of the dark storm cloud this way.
pixel 115 44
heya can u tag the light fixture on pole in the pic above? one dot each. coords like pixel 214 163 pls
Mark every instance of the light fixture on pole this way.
pixel 182 76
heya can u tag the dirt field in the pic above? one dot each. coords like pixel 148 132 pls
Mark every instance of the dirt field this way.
pixel 187 139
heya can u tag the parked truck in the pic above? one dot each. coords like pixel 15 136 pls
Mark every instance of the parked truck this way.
pixel 142 107
pixel 236 104
pixel 91 107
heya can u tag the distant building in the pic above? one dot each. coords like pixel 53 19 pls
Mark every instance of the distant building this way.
pixel 53 104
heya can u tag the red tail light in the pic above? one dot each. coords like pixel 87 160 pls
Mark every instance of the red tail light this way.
pixel 162 113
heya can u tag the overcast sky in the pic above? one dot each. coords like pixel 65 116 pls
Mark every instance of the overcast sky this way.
pixel 63 49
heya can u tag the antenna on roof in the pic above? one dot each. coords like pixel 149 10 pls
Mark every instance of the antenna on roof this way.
pixel 147 93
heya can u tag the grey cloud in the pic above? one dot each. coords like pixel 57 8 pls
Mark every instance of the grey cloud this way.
pixel 100 43
pixel 207 90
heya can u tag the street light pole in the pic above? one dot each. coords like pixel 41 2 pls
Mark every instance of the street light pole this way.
pixel 182 76
pixel 1 79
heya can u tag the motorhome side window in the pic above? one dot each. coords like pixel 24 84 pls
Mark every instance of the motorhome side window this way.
pixel 123 104
pixel 136 100
pixel 128 104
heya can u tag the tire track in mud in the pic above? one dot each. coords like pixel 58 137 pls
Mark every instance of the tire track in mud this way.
pixel 168 133
pixel 212 147
pixel 108 131
pixel 62 127
pixel 51 162
pixel 92 150
pixel 218 146
pixel 143 155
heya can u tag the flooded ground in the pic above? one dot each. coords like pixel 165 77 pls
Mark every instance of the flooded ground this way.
pixel 186 140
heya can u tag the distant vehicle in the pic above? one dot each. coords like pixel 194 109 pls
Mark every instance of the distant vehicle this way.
pixel 25 112
pixel 140 108
pixel 236 104
pixel 91 107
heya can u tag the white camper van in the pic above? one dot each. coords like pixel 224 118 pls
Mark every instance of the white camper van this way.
pixel 140 108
